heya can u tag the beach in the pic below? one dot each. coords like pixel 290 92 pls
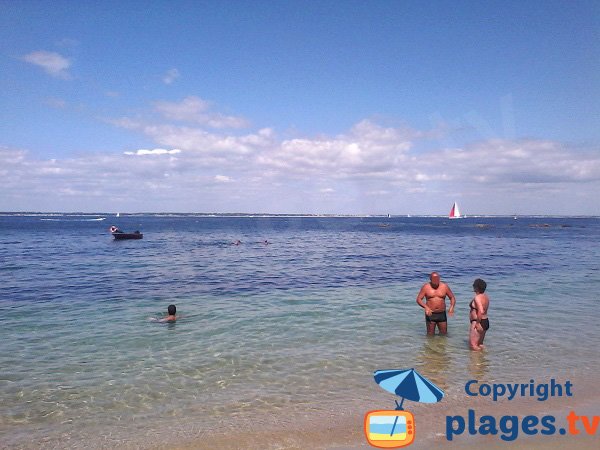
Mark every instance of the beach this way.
pixel 342 430
pixel 277 344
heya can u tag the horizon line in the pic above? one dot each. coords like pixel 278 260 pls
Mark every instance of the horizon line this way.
pixel 264 214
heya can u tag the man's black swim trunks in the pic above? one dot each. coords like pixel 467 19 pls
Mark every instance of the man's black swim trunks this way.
pixel 437 317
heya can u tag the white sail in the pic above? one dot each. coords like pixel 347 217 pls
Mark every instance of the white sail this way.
pixel 454 212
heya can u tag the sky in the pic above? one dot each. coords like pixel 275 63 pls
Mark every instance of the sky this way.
pixel 324 107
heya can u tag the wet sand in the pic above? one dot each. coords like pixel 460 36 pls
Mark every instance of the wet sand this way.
pixel 328 438
pixel 344 430
pixel 340 426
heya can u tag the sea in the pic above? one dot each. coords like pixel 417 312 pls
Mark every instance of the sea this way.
pixel 282 319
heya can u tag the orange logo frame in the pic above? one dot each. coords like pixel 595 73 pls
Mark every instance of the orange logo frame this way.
pixel 393 440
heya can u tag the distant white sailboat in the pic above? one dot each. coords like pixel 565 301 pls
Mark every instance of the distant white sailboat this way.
pixel 455 212
pixel 118 214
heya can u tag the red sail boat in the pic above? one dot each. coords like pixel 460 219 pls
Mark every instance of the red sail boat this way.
pixel 454 212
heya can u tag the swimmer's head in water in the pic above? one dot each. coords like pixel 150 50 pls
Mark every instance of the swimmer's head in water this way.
pixel 479 285
pixel 171 310
pixel 435 279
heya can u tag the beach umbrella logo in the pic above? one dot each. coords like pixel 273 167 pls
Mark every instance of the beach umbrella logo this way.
pixel 396 428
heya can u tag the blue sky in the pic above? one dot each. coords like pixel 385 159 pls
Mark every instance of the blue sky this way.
pixel 350 107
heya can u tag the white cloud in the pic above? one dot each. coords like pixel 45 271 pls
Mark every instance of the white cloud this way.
pixel 171 76
pixel 156 151
pixel 378 193
pixel 201 144
pixel 187 110
pixel 369 151
pixel 195 110
pixel 53 63
pixel 525 161
pixel 367 166
pixel 10 157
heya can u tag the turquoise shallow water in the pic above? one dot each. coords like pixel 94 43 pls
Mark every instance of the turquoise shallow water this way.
pixel 271 332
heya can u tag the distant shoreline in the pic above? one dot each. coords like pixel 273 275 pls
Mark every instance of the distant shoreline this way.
pixel 290 215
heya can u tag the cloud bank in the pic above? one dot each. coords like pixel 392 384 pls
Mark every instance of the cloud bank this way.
pixel 203 162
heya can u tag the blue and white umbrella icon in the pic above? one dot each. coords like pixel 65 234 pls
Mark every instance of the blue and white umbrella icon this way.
pixel 408 384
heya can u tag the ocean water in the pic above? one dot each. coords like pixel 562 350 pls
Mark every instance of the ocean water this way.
pixel 270 333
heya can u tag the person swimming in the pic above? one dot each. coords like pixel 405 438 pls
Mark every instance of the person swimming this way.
pixel 169 318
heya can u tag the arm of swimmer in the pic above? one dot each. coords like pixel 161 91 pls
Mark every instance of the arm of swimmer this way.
pixel 450 295
pixel 420 297
pixel 479 312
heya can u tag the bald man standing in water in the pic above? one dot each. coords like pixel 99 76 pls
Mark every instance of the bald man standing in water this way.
pixel 435 293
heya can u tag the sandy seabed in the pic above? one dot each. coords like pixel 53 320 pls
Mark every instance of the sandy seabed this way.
pixel 345 431
pixel 341 428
